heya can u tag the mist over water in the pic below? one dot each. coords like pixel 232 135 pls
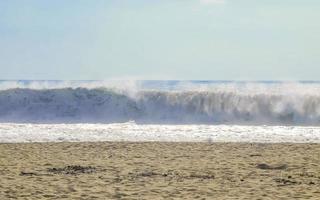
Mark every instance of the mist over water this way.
pixel 161 102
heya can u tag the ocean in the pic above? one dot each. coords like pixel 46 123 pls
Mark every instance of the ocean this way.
pixel 172 111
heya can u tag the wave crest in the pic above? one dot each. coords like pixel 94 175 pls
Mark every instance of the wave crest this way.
pixel 102 105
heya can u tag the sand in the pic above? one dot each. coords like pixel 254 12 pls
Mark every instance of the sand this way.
pixel 110 170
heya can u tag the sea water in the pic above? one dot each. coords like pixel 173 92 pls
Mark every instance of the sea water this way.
pixel 179 111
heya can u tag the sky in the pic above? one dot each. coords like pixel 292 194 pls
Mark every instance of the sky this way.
pixel 160 39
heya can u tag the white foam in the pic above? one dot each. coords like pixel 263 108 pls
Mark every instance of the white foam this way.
pixel 20 133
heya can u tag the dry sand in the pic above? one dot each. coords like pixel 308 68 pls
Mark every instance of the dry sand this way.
pixel 159 171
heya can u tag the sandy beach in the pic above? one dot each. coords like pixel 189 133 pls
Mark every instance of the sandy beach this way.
pixel 110 170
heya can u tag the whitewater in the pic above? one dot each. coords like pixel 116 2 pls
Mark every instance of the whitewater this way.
pixel 179 111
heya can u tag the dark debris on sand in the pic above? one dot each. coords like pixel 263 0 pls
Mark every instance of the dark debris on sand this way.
pixel 285 182
pixel 28 174
pixel 172 174
pixel 68 170
pixel 73 170
pixel 269 167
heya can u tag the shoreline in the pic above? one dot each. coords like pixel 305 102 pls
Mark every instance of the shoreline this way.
pixel 16 133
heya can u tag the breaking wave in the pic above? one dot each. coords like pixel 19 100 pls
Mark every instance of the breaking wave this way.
pixel 222 105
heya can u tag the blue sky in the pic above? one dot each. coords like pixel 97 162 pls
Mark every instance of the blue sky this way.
pixel 160 39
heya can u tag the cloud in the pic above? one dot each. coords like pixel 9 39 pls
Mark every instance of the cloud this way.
pixel 212 1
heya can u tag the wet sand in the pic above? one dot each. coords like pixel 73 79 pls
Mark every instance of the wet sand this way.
pixel 110 170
